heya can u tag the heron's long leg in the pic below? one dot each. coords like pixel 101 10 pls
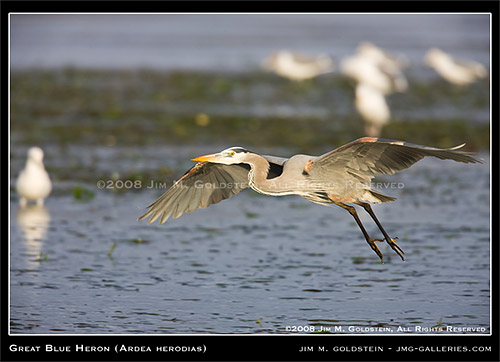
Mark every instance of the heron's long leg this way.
pixel 389 240
pixel 369 240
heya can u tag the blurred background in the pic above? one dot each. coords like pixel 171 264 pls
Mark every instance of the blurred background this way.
pixel 177 79
pixel 130 99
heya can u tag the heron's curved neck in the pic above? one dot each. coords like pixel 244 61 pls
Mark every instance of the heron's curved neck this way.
pixel 257 176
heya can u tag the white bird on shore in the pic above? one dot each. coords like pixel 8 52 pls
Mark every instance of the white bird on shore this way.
pixel 33 183
pixel 458 72
pixel 297 66
pixel 372 106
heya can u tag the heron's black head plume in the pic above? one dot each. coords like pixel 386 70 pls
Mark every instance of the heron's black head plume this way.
pixel 238 149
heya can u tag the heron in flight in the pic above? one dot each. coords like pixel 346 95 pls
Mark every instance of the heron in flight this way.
pixel 341 177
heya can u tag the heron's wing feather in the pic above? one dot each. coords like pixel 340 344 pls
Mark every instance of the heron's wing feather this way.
pixel 367 157
pixel 204 184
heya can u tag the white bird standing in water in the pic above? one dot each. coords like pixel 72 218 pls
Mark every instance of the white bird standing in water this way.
pixel 377 74
pixel 458 72
pixel 33 183
pixel 372 106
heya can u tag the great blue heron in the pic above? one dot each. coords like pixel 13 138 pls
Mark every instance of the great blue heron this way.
pixel 339 177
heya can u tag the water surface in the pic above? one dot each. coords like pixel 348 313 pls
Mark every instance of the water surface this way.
pixel 280 261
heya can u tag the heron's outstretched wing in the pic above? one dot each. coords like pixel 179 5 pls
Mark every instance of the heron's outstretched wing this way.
pixel 367 157
pixel 203 185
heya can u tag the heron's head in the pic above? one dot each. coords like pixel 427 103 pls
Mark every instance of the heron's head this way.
pixel 229 156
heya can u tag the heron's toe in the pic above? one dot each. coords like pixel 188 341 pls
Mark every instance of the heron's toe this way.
pixel 392 244
pixel 375 248
pixel 396 247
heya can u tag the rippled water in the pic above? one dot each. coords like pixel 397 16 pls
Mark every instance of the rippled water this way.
pixel 251 264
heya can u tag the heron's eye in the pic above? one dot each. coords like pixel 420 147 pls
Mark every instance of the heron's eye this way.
pixel 232 153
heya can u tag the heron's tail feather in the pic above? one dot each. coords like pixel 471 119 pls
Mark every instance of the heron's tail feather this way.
pixel 378 197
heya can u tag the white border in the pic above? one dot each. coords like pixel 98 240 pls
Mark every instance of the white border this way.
pixel 254 334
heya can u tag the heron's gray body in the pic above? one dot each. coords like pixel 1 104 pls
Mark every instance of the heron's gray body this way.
pixel 339 177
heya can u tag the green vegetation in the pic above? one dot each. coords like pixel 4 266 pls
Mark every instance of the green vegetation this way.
pixel 82 194
pixel 41 257
pixel 110 251
pixel 255 109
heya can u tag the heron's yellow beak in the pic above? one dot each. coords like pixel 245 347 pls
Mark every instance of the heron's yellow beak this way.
pixel 206 158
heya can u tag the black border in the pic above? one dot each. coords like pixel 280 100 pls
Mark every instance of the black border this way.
pixel 253 347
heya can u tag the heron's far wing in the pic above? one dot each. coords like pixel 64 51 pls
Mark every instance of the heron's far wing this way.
pixel 367 157
pixel 203 185
pixel 276 165
pixel 279 161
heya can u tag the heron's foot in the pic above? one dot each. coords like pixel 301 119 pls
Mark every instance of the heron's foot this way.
pixel 375 248
pixel 393 245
